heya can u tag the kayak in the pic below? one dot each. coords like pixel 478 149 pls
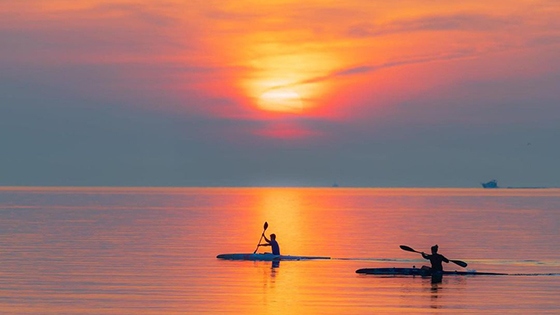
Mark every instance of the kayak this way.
pixel 421 272
pixel 267 257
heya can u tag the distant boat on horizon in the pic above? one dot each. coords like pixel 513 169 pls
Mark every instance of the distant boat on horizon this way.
pixel 491 184
pixel 494 184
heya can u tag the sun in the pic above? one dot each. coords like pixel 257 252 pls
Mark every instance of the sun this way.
pixel 281 100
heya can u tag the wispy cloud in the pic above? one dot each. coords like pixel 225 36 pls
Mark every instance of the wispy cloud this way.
pixel 366 69
pixel 458 22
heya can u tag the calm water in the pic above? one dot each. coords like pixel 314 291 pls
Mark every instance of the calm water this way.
pixel 152 250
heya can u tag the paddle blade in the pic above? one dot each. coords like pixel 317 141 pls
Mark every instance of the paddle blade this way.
pixel 408 249
pixel 265 226
pixel 460 263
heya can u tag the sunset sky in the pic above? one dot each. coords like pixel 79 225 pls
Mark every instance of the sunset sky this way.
pixel 287 93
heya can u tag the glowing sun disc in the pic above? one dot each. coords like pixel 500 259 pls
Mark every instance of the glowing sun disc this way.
pixel 281 100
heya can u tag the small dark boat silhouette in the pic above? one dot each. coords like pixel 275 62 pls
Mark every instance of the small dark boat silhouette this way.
pixel 491 184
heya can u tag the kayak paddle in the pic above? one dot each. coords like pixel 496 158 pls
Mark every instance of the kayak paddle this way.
pixel 265 226
pixel 458 262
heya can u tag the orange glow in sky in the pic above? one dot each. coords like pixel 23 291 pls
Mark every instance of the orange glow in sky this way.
pixel 282 100
pixel 319 59
pixel 282 73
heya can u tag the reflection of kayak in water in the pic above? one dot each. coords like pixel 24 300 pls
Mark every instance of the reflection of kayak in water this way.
pixel 422 272
pixel 266 257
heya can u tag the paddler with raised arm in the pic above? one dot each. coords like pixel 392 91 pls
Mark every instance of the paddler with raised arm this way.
pixel 435 259
pixel 272 243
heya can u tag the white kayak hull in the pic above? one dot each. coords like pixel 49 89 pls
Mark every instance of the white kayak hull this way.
pixel 266 257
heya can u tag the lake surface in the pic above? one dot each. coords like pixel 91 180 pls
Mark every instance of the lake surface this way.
pixel 153 250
